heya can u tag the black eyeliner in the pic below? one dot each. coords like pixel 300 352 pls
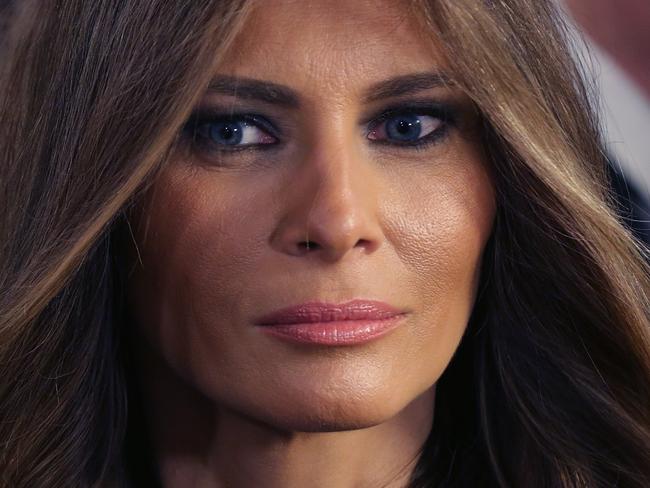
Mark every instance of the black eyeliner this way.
pixel 442 110
pixel 209 115
pixel 445 112
pixel 202 116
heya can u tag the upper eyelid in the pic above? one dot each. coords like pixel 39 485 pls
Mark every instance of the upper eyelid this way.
pixel 259 121
pixel 373 124
pixel 443 111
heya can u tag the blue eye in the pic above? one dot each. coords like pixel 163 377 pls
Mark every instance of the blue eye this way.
pixel 405 128
pixel 232 132
pixel 228 133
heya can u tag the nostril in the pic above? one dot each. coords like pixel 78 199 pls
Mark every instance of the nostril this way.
pixel 308 245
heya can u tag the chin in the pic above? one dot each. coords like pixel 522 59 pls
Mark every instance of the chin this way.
pixel 322 422
pixel 327 425
pixel 314 413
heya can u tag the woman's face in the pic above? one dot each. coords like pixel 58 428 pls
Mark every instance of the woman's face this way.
pixel 326 122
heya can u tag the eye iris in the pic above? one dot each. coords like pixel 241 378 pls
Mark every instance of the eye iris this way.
pixel 404 128
pixel 228 133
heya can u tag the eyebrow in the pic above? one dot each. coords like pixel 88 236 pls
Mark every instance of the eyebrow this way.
pixel 275 94
pixel 250 89
pixel 402 85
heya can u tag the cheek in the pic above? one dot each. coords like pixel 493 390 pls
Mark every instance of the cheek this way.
pixel 439 233
pixel 194 249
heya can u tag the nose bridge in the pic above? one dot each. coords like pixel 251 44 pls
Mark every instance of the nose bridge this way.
pixel 332 207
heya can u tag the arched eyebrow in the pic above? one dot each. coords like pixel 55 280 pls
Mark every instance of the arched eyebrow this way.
pixel 406 84
pixel 275 94
pixel 251 89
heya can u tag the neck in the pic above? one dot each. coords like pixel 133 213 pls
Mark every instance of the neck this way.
pixel 202 444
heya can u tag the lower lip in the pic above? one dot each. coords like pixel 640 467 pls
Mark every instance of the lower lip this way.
pixel 343 333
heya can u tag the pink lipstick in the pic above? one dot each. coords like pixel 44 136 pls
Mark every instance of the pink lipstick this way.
pixel 350 323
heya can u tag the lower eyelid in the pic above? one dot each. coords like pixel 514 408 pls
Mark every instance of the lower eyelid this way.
pixel 376 127
pixel 434 138
pixel 264 135
pixel 437 125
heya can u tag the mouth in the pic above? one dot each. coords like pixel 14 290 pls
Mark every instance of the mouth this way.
pixel 351 323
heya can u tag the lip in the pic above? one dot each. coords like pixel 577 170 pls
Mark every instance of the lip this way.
pixel 350 323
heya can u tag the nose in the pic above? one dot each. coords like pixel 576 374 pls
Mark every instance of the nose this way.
pixel 331 205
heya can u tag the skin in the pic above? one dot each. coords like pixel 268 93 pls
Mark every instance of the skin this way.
pixel 220 239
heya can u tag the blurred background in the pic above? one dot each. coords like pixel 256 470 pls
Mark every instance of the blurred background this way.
pixel 613 38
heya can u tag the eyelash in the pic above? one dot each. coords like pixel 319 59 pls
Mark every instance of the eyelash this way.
pixel 203 118
pixel 443 113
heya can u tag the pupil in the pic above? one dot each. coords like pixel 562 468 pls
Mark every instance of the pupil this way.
pixel 404 128
pixel 227 133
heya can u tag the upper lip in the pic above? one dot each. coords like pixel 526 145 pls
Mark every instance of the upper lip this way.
pixel 328 312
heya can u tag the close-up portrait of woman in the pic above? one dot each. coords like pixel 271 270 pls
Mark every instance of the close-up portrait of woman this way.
pixel 312 243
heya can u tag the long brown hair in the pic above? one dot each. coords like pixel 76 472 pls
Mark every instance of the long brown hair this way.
pixel 551 383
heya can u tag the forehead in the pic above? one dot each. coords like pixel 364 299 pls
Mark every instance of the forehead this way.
pixel 331 44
